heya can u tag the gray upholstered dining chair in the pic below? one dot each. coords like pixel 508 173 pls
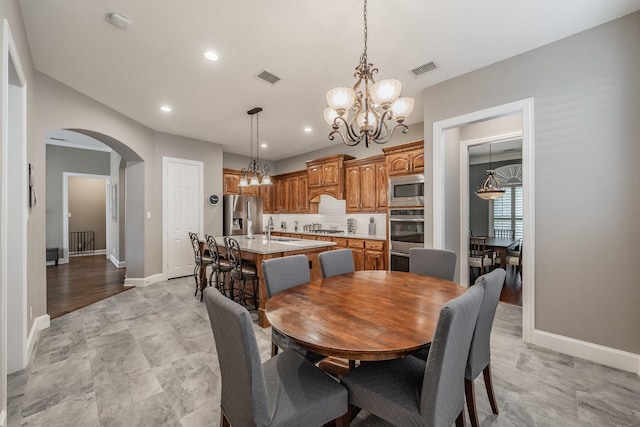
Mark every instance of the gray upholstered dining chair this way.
pixel 286 390
pixel 281 274
pixel 333 263
pixel 438 263
pixel 413 392
pixel 480 352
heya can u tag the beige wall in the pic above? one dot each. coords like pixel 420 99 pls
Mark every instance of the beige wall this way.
pixel 87 208
pixel 586 176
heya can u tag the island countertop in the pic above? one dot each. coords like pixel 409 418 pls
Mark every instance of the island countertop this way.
pixel 260 245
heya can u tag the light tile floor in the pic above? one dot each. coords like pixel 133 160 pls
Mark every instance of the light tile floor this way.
pixel 147 357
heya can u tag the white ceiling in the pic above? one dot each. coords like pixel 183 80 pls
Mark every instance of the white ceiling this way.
pixel 311 45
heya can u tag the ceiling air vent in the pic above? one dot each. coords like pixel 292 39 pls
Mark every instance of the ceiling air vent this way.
pixel 424 69
pixel 267 77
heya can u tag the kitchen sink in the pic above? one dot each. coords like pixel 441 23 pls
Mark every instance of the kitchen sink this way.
pixel 283 239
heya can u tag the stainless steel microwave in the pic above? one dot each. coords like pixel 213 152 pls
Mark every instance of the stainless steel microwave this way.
pixel 406 191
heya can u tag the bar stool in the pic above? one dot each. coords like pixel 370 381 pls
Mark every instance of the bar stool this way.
pixel 200 261
pixel 241 271
pixel 218 265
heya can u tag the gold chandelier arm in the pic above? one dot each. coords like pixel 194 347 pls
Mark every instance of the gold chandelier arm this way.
pixel 387 138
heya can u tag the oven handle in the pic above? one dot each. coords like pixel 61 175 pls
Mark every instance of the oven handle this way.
pixel 402 254
pixel 407 219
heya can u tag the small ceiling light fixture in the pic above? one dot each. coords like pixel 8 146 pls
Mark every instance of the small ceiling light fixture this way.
pixel 166 108
pixel 211 55
pixel 491 188
pixel 371 105
pixel 256 173
pixel 118 20
pixel 307 129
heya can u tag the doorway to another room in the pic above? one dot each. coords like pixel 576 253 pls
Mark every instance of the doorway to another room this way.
pixel 501 217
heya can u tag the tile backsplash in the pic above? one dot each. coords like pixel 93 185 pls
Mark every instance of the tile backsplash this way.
pixel 331 213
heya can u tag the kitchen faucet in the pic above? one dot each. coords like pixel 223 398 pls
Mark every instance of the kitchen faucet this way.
pixel 269 228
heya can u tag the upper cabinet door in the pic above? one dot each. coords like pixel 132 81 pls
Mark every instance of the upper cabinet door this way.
pixel 382 192
pixel 398 164
pixel 331 173
pixel 352 189
pixel 417 161
pixel 368 188
pixel 314 174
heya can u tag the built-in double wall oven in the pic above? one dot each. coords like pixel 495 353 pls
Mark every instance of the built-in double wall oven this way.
pixel 406 219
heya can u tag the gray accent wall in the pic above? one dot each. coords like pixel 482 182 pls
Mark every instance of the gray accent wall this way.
pixel 586 91
pixel 479 208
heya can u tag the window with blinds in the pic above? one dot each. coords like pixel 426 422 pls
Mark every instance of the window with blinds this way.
pixel 508 209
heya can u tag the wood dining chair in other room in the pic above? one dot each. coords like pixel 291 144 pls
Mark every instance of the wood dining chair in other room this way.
pixel 286 390
pixel 219 265
pixel 479 256
pixel 514 258
pixel 241 271
pixel 480 351
pixel 201 261
pixel 438 263
pixel 504 233
pixel 412 392
pixel 281 274
pixel 333 263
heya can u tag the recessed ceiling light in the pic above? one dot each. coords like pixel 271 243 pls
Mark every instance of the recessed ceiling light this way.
pixel 263 145
pixel 166 108
pixel 211 55
pixel 307 129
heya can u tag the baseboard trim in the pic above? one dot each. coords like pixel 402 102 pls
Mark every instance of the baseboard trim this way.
pixel 118 264
pixel 3 419
pixel 160 277
pixel 40 323
pixel 608 356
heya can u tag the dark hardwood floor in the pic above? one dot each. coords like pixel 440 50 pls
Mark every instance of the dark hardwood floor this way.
pixel 85 280
pixel 512 289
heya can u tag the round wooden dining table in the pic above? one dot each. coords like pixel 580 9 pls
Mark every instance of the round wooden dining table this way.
pixel 365 315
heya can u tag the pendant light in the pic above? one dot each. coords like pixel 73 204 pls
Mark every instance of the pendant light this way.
pixel 256 173
pixel 491 188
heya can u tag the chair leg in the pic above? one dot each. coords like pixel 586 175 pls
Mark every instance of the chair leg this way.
pixel 195 277
pixel 274 349
pixel 460 419
pixel 224 422
pixel 344 420
pixel 471 402
pixel 488 383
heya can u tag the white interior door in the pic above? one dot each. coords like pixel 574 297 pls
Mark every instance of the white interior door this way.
pixel 182 213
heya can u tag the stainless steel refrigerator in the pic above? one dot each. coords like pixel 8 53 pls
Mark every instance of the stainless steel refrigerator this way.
pixel 238 210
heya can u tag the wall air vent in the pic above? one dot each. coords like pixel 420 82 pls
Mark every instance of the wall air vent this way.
pixel 267 77
pixel 424 69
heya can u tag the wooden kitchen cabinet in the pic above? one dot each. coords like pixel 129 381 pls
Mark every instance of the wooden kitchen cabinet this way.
pixel 231 179
pixel 375 257
pixel 366 185
pixel 326 176
pixel 266 193
pixel 357 247
pixel 405 159
pixel 291 193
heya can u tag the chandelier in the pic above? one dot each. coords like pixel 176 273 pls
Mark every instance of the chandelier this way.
pixel 256 173
pixel 491 188
pixel 373 105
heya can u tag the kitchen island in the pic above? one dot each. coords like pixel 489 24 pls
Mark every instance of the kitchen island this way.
pixel 260 248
